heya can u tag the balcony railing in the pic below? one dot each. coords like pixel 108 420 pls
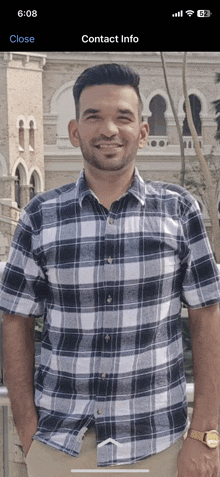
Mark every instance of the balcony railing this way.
pixel 189 144
pixel 162 142
pixel 158 142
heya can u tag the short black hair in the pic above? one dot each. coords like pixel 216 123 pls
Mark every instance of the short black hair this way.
pixel 107 73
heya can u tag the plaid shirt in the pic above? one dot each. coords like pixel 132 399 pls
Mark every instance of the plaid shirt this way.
pixel 110 286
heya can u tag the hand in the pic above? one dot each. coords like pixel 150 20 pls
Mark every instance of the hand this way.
pixel 195 459
pixel 27 444
pixel 27 432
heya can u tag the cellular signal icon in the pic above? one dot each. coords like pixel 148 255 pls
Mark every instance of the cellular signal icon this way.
pixel 178 14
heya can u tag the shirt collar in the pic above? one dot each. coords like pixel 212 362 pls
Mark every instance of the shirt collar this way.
pixel 137 188
pixel 81 187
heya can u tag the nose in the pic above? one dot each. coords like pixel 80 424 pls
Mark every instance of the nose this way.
pixel 108 128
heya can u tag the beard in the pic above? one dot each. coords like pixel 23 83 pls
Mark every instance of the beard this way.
pixel 111 161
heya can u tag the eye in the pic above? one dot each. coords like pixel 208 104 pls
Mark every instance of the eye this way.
pixel 125 119
pixel 93 118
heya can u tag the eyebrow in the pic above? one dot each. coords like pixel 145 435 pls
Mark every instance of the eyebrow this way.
pixel 126 111
pixel 94 111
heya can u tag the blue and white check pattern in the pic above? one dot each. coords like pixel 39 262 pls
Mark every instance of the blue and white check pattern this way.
pixel 110 286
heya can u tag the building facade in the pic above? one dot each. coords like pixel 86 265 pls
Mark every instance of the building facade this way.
pixel 36 104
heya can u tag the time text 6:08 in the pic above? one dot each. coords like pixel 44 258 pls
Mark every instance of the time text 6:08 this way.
pixel 27 13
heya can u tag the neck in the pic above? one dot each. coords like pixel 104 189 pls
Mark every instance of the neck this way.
pixel 108 186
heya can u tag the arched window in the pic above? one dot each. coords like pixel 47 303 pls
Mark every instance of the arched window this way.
pixel 196 109
pixel 31 136
pixel 18 188
pixel 32 186
pixel 21 135
pixel 157 120
pixel 20 184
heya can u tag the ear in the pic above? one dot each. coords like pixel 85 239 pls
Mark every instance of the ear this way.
pixel 73 132
pixel 144 133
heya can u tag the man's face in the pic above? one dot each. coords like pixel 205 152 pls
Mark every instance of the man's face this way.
pixel 109 130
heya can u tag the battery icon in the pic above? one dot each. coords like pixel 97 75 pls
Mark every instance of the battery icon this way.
pixel 204 13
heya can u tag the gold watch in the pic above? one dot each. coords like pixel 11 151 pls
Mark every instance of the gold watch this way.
pixel 210 438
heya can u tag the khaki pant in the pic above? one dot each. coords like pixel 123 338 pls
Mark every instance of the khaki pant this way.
pixel 44 461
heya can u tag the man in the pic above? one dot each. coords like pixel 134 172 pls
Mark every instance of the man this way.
pixel 107 262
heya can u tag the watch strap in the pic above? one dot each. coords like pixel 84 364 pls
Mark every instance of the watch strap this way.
pixel 198 435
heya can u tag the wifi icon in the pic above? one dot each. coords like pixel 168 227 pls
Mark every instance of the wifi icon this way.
pixel 189 12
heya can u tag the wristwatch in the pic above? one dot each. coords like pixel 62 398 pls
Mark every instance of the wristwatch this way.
pixel 210 438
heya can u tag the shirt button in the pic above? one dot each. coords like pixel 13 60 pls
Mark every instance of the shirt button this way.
pixel 104 375
pixel 107 338
pixel 100 411
pixel 111 221
pixel 110 259
pixel 109 299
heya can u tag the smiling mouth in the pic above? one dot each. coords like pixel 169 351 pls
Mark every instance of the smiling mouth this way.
pixel 108 146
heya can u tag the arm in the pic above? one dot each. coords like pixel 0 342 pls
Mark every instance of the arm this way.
pixel 18 335
pixel 195 459
pixel 205 330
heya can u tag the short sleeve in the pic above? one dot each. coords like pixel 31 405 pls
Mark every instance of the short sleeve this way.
pixel 201 282
pixel 23 286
